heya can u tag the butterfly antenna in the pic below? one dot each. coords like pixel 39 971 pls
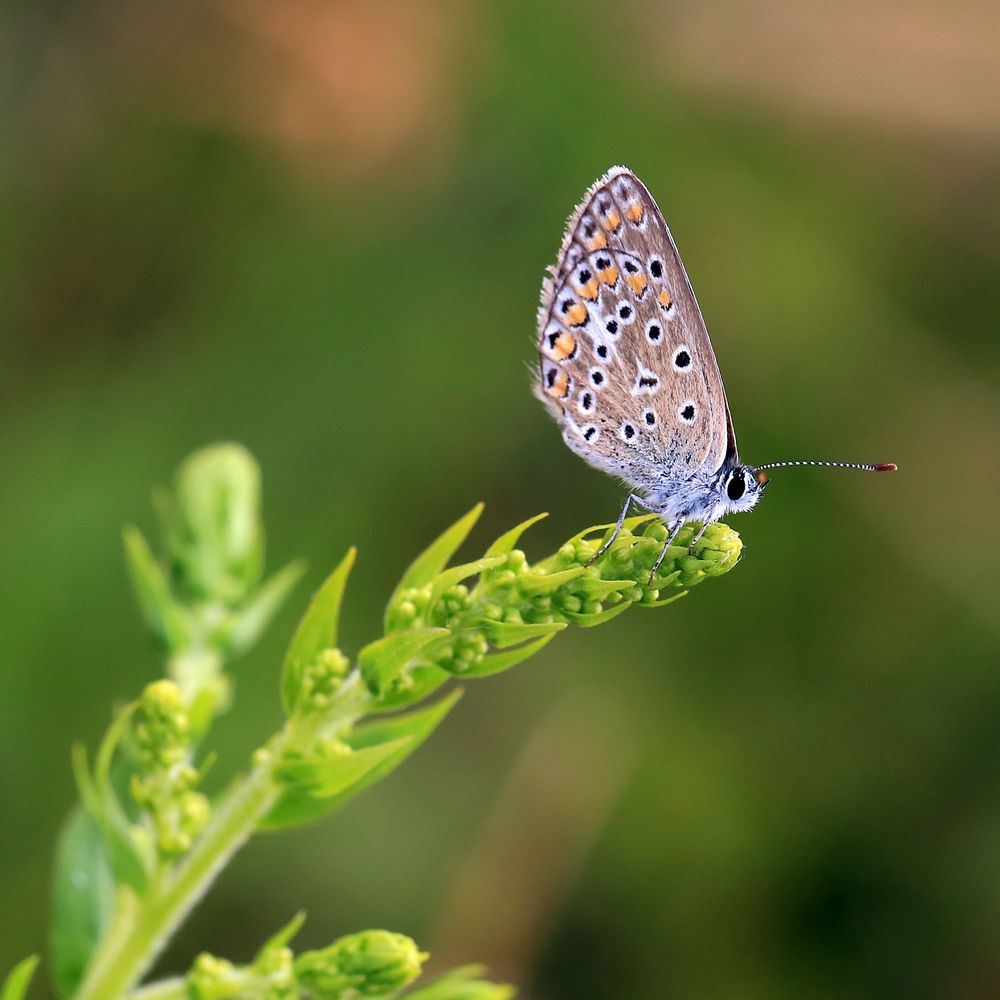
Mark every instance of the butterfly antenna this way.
pixel 865 467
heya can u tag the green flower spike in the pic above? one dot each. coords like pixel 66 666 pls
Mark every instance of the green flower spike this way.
pixel 439 623
pixel 165 781
pixel 368 964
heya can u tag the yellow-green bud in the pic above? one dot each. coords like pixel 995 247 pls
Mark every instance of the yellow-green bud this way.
pixel 322 678
pixel 217 541
pixel 371 963
pixel 160 727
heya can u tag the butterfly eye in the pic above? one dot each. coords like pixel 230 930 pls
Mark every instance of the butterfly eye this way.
pixel 737 485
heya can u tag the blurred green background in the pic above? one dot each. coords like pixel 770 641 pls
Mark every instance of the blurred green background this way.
pixel 319 228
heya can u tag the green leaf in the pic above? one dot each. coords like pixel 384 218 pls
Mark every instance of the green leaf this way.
pixel 326 776
pixel 597 617
pixel 282 937
pixel 660 582
pixel 424 679
pixel 298 807
pixel 316 631
pixel 631 523
pixel 435 557
pixel 504 545
pixel 128 863
pixel 383 660
pixel 16 985
pixel 504 634
pixel 165 618
pixel 545 583
pixel 83 899
pixel 244 627
pixel 667 600
pixel 595 589
pixel 450 577
pixel 496 663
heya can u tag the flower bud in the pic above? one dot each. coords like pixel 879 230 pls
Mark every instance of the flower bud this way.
pixel 370 964
pixel 160 729
pixel 216 537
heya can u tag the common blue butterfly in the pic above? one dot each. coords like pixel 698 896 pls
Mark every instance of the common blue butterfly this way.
pixel 628 371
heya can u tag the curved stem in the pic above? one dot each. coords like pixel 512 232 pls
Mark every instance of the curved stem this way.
pixel 141 927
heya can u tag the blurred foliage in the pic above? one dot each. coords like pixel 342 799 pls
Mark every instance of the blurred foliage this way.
pixel 319 228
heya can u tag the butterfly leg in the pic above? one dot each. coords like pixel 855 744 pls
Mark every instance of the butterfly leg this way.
pixel 629 500
pixel 674 532
pixel 697 538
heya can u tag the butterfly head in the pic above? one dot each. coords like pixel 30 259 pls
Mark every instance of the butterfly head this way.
pixel 742 487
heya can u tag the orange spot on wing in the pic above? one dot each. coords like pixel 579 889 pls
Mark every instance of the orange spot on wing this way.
pixel 560 386
pixel 599 242
pixel 665 300
pixel 638 283
pixel 577 314
pixel 609 276
pixel 635 212
pixel 589 290
pixel 564 347
pixel 612 220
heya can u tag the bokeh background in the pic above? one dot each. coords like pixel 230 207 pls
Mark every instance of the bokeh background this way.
pixel 318 227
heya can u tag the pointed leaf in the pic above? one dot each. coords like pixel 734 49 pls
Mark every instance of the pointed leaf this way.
pixel 631 523
pixel 326 776
pixel 300 807
pixel 667 600
pixel 435 557
pixel 595 589
pixel 450 577
pixel 16 985
pixel 83 899
pixel 316 631
pixel 660 582
pixel 283 936
pixel 504 634
pixel 544 583
pixel 244 627
pixel 383 660
pixel 505 544
pixel 127 861
pixel 164 617
pixel 597 617
pixel 496 663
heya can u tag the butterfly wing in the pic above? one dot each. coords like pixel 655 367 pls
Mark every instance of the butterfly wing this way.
pixel 625 361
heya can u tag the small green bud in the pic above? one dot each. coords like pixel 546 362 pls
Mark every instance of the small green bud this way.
pixel 214 978
pixel 322 678
pixel 371 964
pixel 216 537
pixel 160 727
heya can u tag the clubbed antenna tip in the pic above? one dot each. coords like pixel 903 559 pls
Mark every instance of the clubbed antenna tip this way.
pixel 887 467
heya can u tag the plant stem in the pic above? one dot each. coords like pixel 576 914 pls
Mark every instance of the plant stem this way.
pixel 174 988
pixel 142 926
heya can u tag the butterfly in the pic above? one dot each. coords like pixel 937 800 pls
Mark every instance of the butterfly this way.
pixel 627 370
